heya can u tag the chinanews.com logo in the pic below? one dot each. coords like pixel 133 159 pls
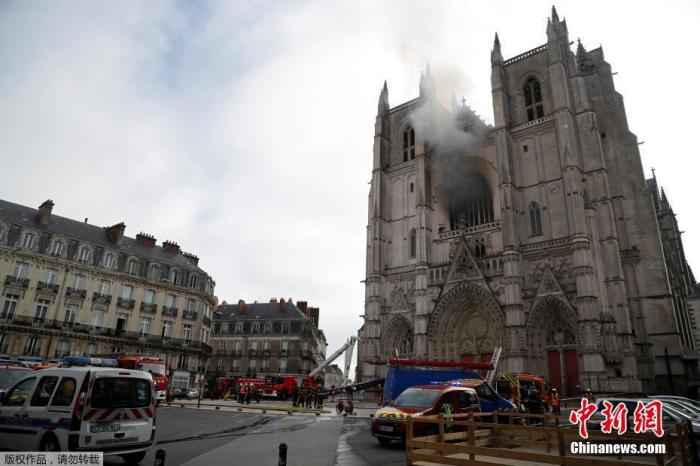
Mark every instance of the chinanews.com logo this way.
pixel 646 418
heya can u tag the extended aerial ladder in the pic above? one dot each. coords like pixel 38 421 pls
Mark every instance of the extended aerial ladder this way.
pixel 349 346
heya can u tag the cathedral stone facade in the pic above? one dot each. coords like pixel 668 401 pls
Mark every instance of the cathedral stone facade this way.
pixel 538 234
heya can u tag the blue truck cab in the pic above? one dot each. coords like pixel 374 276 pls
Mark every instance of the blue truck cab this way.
pixel 399 378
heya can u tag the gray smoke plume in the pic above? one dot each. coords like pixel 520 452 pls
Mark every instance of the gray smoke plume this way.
pixel 452 135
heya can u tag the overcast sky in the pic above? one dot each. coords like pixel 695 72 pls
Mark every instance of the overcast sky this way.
pixel 243 130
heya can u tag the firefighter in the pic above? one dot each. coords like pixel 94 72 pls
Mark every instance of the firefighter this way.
pixel 555 402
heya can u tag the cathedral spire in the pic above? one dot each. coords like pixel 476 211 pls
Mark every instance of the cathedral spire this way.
pixel 496 57
pixel 555 16
pixel 383 105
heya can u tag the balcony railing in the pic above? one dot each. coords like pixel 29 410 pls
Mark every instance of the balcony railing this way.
pixel 189 314
pixel 126 303
pixel 149 308
pixel 169 311
pixel 17 282
pixel 69 329
pixel 75 293
pixel 99 298
pixel 51 288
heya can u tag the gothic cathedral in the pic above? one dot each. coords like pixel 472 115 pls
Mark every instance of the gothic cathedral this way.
pixel 538 234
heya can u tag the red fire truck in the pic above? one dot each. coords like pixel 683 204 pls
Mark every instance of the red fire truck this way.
pixel 280 387
pixel 152 364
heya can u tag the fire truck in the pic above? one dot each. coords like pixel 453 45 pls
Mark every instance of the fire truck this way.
pixel 280 387
pixel 152 364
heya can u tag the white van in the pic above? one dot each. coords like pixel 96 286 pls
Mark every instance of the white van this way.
pixel 80 409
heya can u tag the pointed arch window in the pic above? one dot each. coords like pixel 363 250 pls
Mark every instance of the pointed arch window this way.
pixel 533 99
pixel 412 243
pixel 535 219
pixel 409 144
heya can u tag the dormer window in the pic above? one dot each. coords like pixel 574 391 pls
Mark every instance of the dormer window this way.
pixel 154 273
pixel 132 267
pixel 57 249
pixel 84 255
pixel 409 144
pixel 109 260
pixel 533 99
pixel 28 241
pixel 174 276
pixel 193 281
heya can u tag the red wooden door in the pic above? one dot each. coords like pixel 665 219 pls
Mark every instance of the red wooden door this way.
pixel 554 365
pixel 571 371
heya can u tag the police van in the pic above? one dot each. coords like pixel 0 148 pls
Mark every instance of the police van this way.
pixel 80 409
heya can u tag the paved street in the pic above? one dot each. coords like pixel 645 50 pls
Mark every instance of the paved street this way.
pixel 208 437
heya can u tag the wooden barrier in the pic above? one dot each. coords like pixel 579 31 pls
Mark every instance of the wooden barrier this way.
pixel 486 439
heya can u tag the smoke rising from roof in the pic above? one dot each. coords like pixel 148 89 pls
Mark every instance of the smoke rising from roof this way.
pixel 453 136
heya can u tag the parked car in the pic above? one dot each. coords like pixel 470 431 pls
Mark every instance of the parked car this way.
pixel 80 409
pixel 389 422
pixel 192 394
pixel 687 401
pixel 11 373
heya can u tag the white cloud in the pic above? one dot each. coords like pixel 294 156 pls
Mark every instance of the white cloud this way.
pixel 244 130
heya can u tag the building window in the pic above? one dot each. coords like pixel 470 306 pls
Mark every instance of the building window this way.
pixel 255 327
pixel 175 276
pixel 187 333
pixel 268 327
pixel 109 261
pixel 84 255
pixel 284 347
pixel 78 281
pixel 170 300
pixel 28 241
pixel 283 365
pixel 22 270
pixel 220 364
pixel 32 345
pixel 533 99
pixel 149 296
pixel 41 309
pixel 167 328
pixel 155 272
pixel 132 269
pixel 71 313
pixel 57 249
pixel 412 243
pixel 9 306
pixel 265 364
pixel 285 328
pixel 105 287
pixel 127 291
pixel 98 318
pixel 193 281
pixel 205 335
pixel 50 277
pixel 409 144
pixel 239 327
pixel 62 348
pixel 535 219
pixel 145 327
pixel 234 365
pixel 254 345
pixel 92 348
pixel 191 305
pixel 253 364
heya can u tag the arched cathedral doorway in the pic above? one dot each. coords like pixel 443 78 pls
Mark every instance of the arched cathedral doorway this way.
pixel 552 343
pixel 467 323
pixel 397 338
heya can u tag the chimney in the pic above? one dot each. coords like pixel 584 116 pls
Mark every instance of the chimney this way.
pixel 145 240
pixel 282 301
pixel 273 300
pixel 45 212
pixel 116 232
pixel 242 306
pixel 85 220
pixel 302 306
pixel 171 247
pixel 194 260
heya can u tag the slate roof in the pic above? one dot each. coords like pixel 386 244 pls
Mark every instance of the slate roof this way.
pixel 258 311
pixel 26 217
